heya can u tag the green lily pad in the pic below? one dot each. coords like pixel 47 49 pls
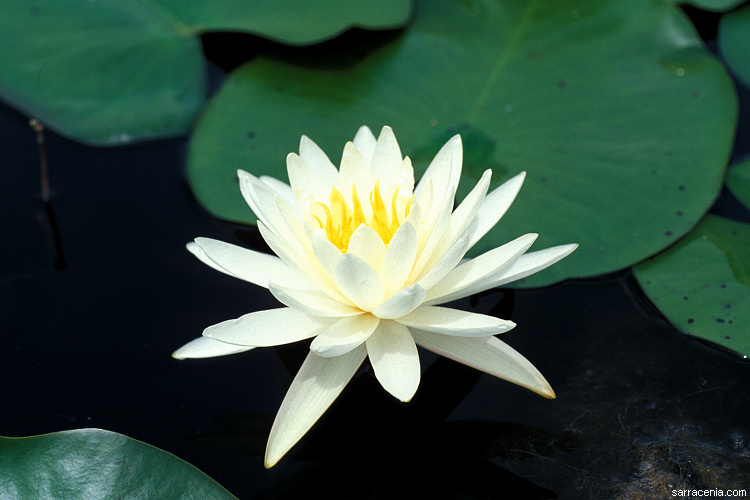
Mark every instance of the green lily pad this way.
pixel 93 463
pixel 622 119
pixel 734 42
pixel 713 5
pixel 116 71
pixel 738 181
pixel 702 284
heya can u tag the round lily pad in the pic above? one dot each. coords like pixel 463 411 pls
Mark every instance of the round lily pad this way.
pixel 109 72
pixel 734 42
pixel 702 284
pixel 93 463
pixel 621 118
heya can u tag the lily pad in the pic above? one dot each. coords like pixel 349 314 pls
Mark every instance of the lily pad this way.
pixel 93 463
pixel 734 42
pixel 116 71
pixel 622 119
pixel 738 181
pixel 702 284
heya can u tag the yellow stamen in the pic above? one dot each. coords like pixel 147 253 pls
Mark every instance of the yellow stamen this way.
pixel 340 221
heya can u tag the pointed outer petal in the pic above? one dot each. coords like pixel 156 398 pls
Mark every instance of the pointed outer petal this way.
pixel 302 178
pixel 359 282
pixel 471 276
pixel 194 249
pixel 445 168
pixel 317 384
pixel 344 335
pixel 454 322
pixel 365 143
pixel 494 206
pixel 464 215
pixel 267 328
pixel 204 347
pixel 488 354
pixel 282 190
pixel 246 264
pixel 311 301
pixel 318 161
pixel 265 203
pixel 533 262
pixel 387 156
pixel 366 244
pixel 394 359
pixel 446 264
pixel 295 226
pixel 399 258
pixel 436 230
pixel 404 302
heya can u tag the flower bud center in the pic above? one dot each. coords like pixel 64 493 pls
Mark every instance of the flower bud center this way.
pixel 340 220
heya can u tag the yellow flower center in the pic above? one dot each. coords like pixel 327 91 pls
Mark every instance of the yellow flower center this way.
pixel 340 221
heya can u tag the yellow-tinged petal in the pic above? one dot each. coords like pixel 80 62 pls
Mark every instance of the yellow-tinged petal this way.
pixel 204 347
pixel 267 328
pixel 359 282
pixel 365 143
pixel 394 359
pixel 402 303
pixel 488 354
pixel 449 321
pixel 317 384
pixel 386 158
pixel 344 335
pixel 311 301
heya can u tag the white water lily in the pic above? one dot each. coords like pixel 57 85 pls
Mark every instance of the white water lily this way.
pixel 363 258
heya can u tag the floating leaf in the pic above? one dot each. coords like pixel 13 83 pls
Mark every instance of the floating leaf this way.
pixel 621 118
pixel 115 71
pixel 702 284
pixel 734 42
pixel 93 463
pixel 738 181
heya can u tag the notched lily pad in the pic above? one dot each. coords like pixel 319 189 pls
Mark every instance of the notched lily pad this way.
pixel 621 118
pixel 94 463
pixel 116 71
pixel 702 284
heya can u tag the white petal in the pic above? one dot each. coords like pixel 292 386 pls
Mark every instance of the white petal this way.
pixel 399 258
pixel 367 244
pixel 394 359
pixel 488 354
pixel 344 335
pixel 495 205
pixel 318 161
pixel 325 252
pixel 454 322
pixel 267 328
pixel 203 347
pixel 359 282
pixel 447 262
pixel 249 265
pixel 302 178
pixel 530 263
pixel 317 384
pixel 386 158
pixel 404 302
pixel 472 276
pixel 365 142
pixel 311 301
pixel 355 170
pixel 445 168
pixel 281 189
pixel 194 249
pixel 265 203
pixel 467 210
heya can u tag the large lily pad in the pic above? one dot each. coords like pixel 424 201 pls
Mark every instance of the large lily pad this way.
pixel 114 71
pixel 734 42
pixel 713 5
pixel 702 284
pixel 93 463
pixel 621 118
pixel 738 181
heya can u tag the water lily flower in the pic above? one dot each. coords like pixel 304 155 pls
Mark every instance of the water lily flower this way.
pixel 363 260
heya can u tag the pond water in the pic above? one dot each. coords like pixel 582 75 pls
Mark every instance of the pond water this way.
pixel 640 408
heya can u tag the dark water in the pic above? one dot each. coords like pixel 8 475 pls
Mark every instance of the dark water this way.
pixel 87 338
